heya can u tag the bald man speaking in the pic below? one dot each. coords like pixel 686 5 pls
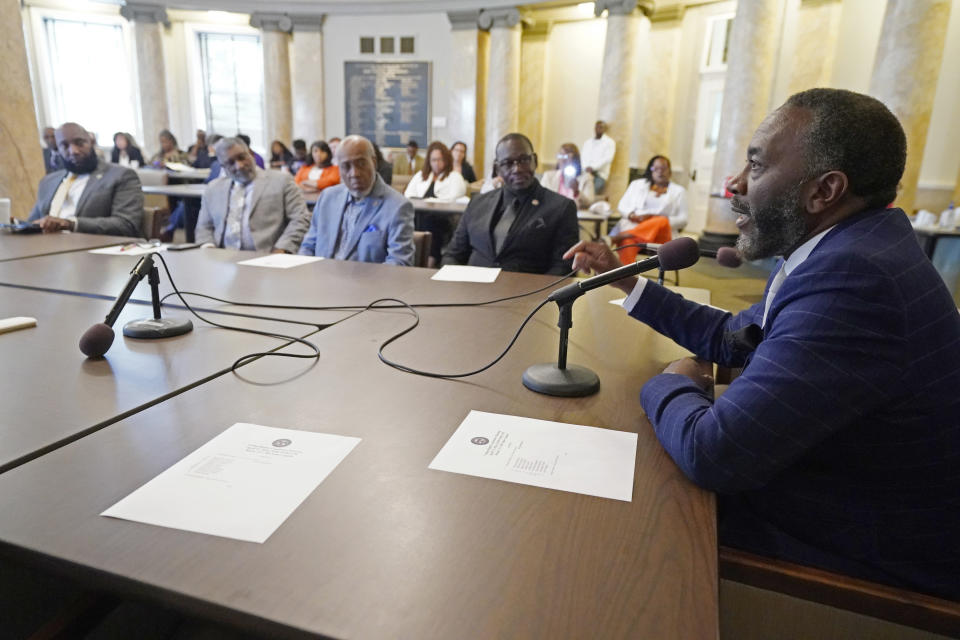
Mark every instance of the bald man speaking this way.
pixel 88 195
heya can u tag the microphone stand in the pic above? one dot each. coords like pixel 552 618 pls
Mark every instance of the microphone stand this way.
pixel 155 327
pixel 572 380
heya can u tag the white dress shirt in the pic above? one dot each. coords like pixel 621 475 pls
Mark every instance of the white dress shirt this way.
pixel 598 154
pixel 68 193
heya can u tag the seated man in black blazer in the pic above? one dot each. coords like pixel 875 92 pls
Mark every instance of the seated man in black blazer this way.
pixel 521 227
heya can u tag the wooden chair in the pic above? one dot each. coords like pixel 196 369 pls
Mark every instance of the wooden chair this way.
pixel 155 220
pixel 895 605
pixel 422 241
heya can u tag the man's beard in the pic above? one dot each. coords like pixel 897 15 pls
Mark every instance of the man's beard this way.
pixel 776 228
pixel 243 177
pixel 86 165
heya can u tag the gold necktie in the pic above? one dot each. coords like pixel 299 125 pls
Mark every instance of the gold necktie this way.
pixel 61 195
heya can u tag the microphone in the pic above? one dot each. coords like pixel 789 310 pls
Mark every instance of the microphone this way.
pixel 574 380
pixel 725 256
pixel 97 340
pixel 671 256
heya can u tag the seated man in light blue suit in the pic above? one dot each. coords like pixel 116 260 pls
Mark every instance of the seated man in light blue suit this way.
pixel 249 208
pixel 362 218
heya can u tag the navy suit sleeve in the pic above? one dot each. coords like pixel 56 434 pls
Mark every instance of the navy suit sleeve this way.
pixel 834 352
pixel 458 251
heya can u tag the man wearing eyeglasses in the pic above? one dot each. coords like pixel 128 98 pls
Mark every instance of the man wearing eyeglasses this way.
pixel 521 227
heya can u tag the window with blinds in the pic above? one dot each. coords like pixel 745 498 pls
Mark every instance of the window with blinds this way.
pixel 91 80
pixel 233 84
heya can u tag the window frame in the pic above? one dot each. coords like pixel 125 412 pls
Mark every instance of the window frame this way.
pixel 47 107
pixel 195 81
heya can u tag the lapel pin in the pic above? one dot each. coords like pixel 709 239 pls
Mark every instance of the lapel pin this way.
pixel 536 203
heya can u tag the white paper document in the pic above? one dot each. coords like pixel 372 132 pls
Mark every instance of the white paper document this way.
pixel 280 261
pixel 242 484
pixel 463 273
pixel 128 250
pixel 553 455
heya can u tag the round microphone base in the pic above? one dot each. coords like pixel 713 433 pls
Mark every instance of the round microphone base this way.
pixel 151 328
pixel 572 382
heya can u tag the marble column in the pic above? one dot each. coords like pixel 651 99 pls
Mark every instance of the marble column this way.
pixel 905 74
pixel 818 25
pixel 617 81
pixel 307 78
pixel 21 163
pixel 147 21
pixel 533 66
pixel 462 83
pixel 751 59
pixel 503 81
pixel 275 42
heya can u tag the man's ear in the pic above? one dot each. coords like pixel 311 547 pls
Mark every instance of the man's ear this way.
pixel 826 191
pixel 534 156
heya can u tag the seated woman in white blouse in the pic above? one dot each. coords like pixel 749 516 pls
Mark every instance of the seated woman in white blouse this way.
pixel 651 208
pixel 439 181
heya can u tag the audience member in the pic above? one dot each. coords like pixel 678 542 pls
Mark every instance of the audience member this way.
pixel 384 168
pixel 437 180
pixel 87 195
pixel 598 154
pixel 51 159
pixel 280 156
pixel 652 206
pixel 334 144
pixel 460 164
pixel 257 158
pixel 169 151
pixel 521 227
pixel 362 218
pixel 249 208
pixel 408 163
pixel 568 179
pixel 322 173
pixel 125 152
pixel 837 445
pixel 212 153
pixel 493 182
pixel 300 155
pixel 198 152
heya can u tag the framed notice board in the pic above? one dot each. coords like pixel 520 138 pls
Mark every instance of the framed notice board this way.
pixel 388 102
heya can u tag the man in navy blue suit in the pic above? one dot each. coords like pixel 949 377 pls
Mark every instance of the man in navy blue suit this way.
pixel 839 445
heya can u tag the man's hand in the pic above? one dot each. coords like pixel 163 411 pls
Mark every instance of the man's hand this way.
pixel 639 217
pixel 51 224
pixel 700 371
pixel 279 250
pixel 599 258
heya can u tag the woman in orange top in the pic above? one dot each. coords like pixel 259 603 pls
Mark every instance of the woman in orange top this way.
pixel 322 173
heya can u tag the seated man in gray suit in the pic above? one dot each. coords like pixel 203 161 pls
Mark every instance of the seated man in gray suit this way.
pixel 88 195
pixel 249 208
pixel 362 218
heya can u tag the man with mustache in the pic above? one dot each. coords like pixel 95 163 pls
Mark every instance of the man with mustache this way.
pixel 248 208
pixel 838 445
pixel 88 195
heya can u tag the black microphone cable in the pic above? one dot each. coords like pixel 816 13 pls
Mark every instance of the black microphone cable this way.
pixel 242 360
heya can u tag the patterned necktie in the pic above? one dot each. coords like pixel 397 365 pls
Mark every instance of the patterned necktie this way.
pixel 61 195
pixel 233 233
pixel 772 292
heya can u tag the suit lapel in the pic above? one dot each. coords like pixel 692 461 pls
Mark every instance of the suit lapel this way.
pixel 93 183
pixel 258 186
pixel 336 223
pixel 48 197
pixel 485 221
pixel 368 214
pixel 528 211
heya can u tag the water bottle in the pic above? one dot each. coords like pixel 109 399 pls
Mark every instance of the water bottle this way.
pixel 948 219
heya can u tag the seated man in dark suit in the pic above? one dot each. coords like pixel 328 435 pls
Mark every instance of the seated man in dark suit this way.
pixel 521 227
pixel 88 195
pixel 838 446
pixel 249 208
pixel 362 218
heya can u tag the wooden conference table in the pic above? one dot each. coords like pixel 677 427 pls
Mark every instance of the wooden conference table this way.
pixel 14 246
pixel 385 547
